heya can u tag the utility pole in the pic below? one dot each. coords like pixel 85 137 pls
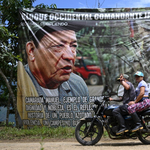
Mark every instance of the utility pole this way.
pixel 98 4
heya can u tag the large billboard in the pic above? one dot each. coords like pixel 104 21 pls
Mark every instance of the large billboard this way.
pixel 70 55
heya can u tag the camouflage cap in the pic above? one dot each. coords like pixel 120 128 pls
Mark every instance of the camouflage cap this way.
pixel 125 76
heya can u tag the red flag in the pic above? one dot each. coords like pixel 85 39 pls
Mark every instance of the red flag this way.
pixel 131 28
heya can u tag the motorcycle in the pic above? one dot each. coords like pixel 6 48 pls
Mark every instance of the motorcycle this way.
pixel 89 130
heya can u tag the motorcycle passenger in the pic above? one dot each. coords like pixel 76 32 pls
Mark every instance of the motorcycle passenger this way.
pixel 129 95
pixel 141 102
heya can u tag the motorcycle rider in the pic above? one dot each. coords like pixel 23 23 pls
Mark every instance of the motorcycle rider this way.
pixel 141 102
pixel 129 95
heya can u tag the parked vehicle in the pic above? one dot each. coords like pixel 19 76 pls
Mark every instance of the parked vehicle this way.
pixel 90 129
pixel 88 70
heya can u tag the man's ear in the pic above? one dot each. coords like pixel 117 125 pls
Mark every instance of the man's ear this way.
pixel 30 47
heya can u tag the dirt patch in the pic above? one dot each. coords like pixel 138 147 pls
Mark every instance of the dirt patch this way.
pixel 29 140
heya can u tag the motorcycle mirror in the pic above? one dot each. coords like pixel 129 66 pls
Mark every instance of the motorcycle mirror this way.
pixel 120 91
pixel 105 89
pixel 97 102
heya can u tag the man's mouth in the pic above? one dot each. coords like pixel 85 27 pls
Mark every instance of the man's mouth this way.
pixel 67 69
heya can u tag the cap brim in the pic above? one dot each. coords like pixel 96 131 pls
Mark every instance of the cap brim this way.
pixel 49 27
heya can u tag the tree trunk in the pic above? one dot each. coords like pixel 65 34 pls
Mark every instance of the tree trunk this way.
pixel 105 74
pixel 11 94
pixel 7 115
pixel 9 99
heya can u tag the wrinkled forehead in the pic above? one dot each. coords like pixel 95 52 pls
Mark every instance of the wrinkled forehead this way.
pixel 60 36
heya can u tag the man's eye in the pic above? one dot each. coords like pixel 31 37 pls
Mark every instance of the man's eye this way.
pixel 58 46
pixel 74 45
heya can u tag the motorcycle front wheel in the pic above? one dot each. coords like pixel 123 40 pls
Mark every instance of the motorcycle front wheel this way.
pixel 144 137
pixel 91 137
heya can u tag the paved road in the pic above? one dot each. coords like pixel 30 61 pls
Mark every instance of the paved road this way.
pixel 95 90
pixel 102 145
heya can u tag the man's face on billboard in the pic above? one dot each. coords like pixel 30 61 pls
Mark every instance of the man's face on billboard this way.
pixel 52 62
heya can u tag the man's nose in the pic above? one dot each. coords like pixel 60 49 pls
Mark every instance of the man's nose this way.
pixel 68 54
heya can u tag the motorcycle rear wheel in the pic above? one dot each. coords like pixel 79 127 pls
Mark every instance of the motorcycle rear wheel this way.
pixel 145 137
pixel 90 138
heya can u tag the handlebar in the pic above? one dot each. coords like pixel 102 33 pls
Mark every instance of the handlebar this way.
pixel 106 98
pixel 97 102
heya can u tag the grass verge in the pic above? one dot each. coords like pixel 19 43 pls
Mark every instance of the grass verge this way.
pixel 36 133
pixel 9 133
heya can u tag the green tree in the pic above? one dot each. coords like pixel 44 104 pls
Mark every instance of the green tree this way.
pixel 110 41
pixel 7 69
pixel 9 49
